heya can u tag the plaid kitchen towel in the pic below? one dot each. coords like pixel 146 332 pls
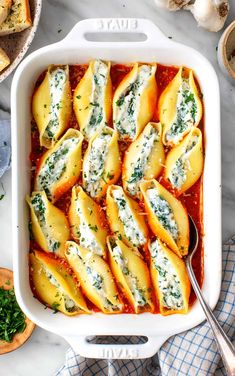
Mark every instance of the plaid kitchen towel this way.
pixel 5 146
pixel 187 354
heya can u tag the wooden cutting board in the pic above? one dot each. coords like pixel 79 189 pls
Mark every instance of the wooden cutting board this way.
pixel 6 276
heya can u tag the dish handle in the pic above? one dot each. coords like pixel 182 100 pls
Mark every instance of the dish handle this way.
pixel 82 29
pixel 83 347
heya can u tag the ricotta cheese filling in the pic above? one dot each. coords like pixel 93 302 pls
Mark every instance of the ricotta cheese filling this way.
pixel 168 280
pixel 99 82
pixel 128 103
pixel 87 232
pixel 163 211
pixel 132 281
pixel 131 228
pixel 57 81
pixel 55 165
pixel 39 207
pixel 186 113
pixel 178 174
pixel 139 167
pixel 69 303
pixel 94 166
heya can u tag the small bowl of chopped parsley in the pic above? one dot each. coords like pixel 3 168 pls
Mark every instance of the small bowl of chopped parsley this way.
pixel 15 327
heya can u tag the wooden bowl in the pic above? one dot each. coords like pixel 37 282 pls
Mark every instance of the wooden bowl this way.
pixel 226 48
pixel 6 281
pixel 17 44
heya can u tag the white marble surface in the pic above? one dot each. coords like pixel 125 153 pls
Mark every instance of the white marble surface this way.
pixel 44 352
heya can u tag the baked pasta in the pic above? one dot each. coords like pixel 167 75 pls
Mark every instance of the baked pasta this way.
pixel 102 163
pixel 51 105
pixel 170 279
pixel 184 162
pixel 60 167
pixel 87 222
pixel 167 216
pixel 54 284
pixel 131 273
pixel 95 277
pixel 92 100
pixel 50 226
pixel 125 217
pixel 134 101
pixel 180 107
pixel 110 200
pixel 144 159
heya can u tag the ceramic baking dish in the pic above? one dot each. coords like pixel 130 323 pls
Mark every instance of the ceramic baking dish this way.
pixel 76 48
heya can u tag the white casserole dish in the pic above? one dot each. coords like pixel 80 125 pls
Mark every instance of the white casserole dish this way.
pixel 75 48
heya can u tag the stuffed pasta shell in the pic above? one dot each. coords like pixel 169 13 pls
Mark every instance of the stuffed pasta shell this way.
pixel 184 163
pixel 95 277
pixel 52 106
pixel 169 278
pixel 92 101
pixel 60 167
pixel 101 163
pixel 50 226
pixel 131 274
pixel 125 217
pixel 54 285
pixel 87 222
pixel 143 159
pixel 180 107
pixel 167 217
pixel 134 101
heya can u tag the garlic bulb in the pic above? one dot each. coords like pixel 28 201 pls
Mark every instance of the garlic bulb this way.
pixel 172 4
pixel 210 14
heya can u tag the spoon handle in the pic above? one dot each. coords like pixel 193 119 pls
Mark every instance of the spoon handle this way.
pixel 225 347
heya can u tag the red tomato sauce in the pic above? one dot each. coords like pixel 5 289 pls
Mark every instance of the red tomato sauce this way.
pixel 192 199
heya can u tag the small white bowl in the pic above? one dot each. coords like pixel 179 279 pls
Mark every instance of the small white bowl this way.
pixel 17 44
pixel 226 49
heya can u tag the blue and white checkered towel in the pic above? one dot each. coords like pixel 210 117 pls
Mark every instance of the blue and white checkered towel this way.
pixel 187 354
pixel 5 146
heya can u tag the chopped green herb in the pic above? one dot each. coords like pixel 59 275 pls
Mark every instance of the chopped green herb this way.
pixel 55 306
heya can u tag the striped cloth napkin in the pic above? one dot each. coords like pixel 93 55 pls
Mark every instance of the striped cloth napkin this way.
pixel 187 354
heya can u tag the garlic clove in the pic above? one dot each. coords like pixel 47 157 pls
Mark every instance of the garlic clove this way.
pixel 172 5
pixel 210 14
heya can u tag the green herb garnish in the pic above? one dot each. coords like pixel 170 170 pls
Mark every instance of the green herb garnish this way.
pixel 12 319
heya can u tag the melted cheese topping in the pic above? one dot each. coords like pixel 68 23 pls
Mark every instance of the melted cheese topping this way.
pixel 99 82
pixel 39 207
pixel 94 166
pixel 57 81
pixel 178 174
pixel 186 113
pixel 55 165
pixel 87 232
pixel 130 225
pixel 168 280
pixel 128 103
pixel 163 211
pixel 132 281
pixel 139 167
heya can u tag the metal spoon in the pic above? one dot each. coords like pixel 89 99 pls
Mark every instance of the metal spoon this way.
pixel 225 347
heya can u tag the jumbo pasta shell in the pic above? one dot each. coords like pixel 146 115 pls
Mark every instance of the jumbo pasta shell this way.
pixel 52 106
pixel 180 107
pixel 134 101
pixel 167 216
pixel 92 100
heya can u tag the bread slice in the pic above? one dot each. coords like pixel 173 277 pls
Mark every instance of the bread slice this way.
pixel 5 6
pixel 4 60
pixel 18 18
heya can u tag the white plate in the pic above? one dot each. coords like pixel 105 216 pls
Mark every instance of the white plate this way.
pixel 74 49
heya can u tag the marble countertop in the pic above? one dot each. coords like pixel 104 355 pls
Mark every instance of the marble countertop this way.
pixel 44 352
